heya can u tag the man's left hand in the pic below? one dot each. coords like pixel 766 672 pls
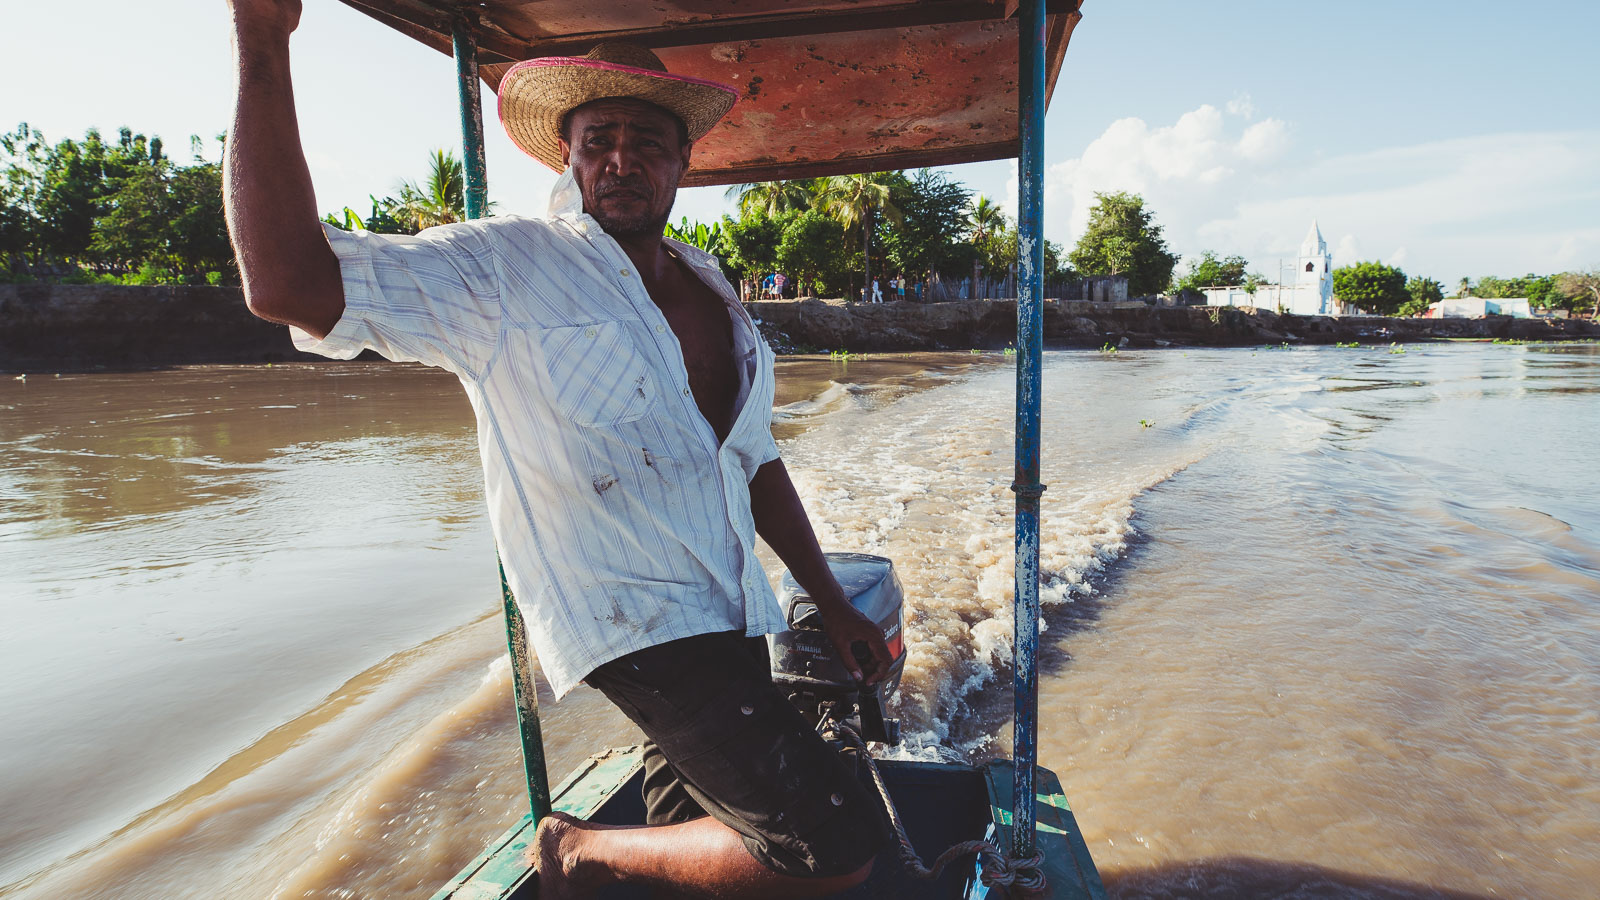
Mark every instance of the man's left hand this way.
pixel 847 626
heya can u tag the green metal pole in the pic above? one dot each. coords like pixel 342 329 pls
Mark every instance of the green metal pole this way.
pixel 467 85
pixel 523 689
pixel 526 694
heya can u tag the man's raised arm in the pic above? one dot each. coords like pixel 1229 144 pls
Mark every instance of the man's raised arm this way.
pixel 290 273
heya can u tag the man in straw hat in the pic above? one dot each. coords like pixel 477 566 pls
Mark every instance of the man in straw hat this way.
pixel 623 399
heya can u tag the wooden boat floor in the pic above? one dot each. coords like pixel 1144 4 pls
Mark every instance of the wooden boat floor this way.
pixel 941 804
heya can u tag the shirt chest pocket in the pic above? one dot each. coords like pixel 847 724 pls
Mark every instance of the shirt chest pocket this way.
pixel 598 375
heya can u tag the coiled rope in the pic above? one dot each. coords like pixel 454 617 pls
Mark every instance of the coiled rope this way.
pixel 1018 877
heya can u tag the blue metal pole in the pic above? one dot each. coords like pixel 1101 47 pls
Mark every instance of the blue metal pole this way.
pixel 467 86
pixel 1030 345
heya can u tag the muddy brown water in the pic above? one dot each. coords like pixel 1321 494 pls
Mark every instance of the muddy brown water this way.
pixel 1318 622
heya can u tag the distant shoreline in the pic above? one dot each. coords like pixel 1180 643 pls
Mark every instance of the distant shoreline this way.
pixel 74 328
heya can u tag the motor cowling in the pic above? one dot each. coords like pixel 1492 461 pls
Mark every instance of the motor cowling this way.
pixel 808 668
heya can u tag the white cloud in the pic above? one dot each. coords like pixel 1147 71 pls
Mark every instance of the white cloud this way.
pixel 1348 251
pixel 1492 204
pixel 1264 141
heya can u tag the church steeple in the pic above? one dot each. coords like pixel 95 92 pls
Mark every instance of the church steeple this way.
pixel 1315 269
pixel 1313 245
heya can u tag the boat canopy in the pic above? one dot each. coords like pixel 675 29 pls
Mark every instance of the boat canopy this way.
pixel 830 88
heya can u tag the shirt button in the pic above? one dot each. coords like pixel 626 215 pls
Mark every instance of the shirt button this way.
pixel 660 328
pixel 748 710
pixel 686 392
pixel 837 800
pixel 625 272
pixel 588 332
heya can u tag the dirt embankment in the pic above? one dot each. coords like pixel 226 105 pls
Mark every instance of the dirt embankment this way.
pixel 74 327
pixel 992 325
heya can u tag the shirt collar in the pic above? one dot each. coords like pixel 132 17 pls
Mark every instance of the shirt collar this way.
pixel 566 201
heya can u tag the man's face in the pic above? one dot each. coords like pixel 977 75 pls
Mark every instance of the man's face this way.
pixel 628 158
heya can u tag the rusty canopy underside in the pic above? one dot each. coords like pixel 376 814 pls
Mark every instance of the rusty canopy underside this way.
pixel 824 88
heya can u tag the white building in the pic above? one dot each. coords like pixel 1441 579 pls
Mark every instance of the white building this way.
pixel 1311 294
pixel 1477 307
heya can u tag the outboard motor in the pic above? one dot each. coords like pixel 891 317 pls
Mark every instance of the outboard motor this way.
pixel 805 664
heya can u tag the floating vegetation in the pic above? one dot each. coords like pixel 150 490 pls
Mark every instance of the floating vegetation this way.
pixel 1397 349
pixel 1108 349
pixel 1146 423
pixel 842 355
pixel 1009 351
pixel 1510 341
pixel 1348 345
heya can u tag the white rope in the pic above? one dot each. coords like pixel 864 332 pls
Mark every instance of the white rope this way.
pixel 1023 876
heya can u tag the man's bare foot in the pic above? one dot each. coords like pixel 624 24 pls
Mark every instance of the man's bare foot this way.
pixel 557 857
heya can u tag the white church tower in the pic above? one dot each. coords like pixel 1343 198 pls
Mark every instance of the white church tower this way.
pixel 1313 292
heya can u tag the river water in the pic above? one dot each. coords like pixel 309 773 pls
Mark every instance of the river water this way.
pixel 1318 622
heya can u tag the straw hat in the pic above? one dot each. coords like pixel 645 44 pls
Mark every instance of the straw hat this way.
pixel 537 93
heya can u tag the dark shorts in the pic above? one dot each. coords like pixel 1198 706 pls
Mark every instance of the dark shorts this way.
pixel 725 742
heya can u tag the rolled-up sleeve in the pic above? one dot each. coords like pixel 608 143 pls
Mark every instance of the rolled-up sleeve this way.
pixel 432 298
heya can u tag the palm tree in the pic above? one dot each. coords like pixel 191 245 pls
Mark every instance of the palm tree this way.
pixel 441 201
pixel 853 200
pixel 986 220
pixel 772 197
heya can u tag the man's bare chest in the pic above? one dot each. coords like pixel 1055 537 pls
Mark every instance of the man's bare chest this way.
pixel 700 320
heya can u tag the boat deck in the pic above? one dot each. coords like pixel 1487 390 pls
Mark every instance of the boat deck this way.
pixel 940 803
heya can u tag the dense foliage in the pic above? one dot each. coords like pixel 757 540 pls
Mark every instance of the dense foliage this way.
pixel 92 210
pixel 1421 293
pixel 1579 287
pixel 1210 271
pixel 1123 239
pixel 1541 291
pixel 1371 286
pixel 922 225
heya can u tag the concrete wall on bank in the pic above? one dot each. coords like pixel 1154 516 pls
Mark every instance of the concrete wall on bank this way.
pixel 75 327
pixel 87 326
pixel 992 325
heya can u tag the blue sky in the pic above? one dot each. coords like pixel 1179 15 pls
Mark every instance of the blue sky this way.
pixel 1454 139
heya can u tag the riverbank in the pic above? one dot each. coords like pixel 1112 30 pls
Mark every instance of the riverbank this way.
pixel 69 327
pixel 991 325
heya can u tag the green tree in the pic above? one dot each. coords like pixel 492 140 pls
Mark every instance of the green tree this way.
pixel 379 221
pixel 855 202
pixel 1371 286
pixel 932 221
pixel 1422 293
pixel 984 219
pixel 697 234
pixel 441 200
pixel 1582 285
pixel 132 232
pixel 750 243
pixel 774 197
pixel 1210 271
pixel 1123 239
pixel 809 248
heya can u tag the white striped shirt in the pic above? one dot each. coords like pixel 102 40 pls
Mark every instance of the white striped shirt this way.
pixel 620 520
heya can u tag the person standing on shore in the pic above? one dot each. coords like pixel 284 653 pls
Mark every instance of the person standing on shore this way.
pixel 623 399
